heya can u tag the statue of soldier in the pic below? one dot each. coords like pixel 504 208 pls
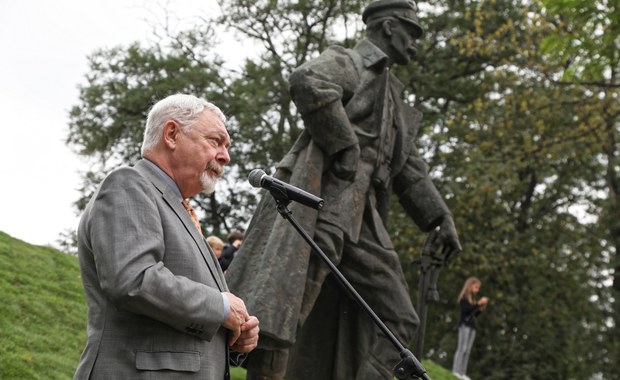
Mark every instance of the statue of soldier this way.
pixel 357 149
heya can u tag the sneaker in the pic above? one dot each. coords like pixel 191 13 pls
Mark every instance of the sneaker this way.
pixel 465 377
pixel 458 375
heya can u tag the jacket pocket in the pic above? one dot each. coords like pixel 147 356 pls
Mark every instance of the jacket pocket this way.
pixel 188 361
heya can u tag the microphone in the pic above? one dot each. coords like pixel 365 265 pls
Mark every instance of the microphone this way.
pixel 283 191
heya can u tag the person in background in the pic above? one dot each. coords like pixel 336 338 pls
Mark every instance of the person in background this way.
pixel 470 308
pixel 158 303
pixel 235 239
pixel 216 245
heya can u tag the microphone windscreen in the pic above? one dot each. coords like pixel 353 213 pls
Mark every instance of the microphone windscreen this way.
pixel 255 177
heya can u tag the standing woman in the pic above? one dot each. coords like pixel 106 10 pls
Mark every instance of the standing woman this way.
pixel 470 308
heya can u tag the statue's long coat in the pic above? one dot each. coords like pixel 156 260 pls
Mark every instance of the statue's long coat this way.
pixel 346 97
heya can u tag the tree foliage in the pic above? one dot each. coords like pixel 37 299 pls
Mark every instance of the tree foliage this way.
pixel 514 151
pixel 520 126
pixel 585 43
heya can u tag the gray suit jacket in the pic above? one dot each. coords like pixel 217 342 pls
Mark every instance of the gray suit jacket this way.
pixel 152 284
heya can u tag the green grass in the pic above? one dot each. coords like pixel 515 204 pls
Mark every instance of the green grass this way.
pixel 43 314
pixel 434 371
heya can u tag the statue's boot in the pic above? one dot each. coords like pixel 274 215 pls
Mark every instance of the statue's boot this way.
pixel 267 364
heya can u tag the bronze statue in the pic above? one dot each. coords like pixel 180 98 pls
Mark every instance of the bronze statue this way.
pixel 357 150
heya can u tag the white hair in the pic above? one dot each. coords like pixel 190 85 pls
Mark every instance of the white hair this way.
pixel 185 109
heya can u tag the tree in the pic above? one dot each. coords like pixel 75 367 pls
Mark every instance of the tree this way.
pixel 505 149
pixel 585 44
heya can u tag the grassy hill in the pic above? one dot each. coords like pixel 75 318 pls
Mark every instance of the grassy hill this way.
pixel 43 314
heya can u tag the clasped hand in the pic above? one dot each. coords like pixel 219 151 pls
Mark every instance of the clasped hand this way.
pixel 243 326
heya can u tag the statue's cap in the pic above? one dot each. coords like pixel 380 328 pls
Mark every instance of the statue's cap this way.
pixel 404 10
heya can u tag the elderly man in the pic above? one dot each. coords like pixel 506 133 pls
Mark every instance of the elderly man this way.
pixel 158 304
pixel 357 150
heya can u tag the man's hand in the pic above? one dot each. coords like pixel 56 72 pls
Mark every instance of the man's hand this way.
pixel 236 318
pixel 345 163
pixel 249 336
pixel 449 238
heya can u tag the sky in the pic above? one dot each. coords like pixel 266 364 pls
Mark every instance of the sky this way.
pixel 44 47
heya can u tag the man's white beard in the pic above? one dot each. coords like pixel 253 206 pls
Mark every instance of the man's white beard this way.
pixel 208 183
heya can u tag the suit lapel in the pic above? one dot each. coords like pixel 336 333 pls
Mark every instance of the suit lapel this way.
pixel 175 205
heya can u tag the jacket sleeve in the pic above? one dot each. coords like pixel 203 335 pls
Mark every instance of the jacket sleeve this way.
pixel 320 88
pixel 418 195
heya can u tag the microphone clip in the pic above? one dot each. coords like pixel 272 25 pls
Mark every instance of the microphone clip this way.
pixel 279 193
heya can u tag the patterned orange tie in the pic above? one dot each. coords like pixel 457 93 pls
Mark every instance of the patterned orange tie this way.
pixel 192 214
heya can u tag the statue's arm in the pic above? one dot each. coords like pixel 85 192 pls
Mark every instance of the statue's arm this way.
pixel 423 203
pixel 320 88
pixel 419 196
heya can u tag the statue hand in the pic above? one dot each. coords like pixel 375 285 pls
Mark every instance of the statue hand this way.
pixel 345 163
pixel 449 238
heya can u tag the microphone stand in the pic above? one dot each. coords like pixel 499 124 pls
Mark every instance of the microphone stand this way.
pixel 409 366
